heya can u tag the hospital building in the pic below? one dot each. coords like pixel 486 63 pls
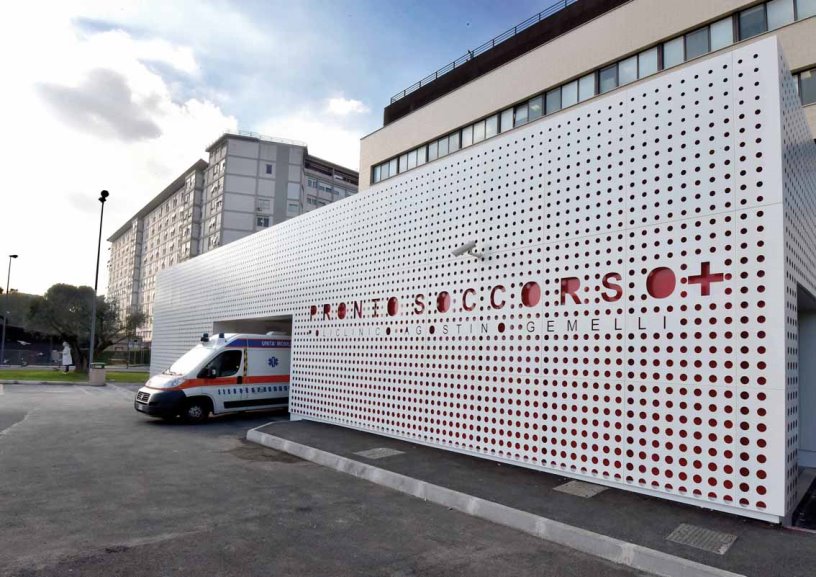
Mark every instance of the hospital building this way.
pixel 586 247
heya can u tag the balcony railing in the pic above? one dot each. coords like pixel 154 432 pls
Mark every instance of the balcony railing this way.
pixel 471 54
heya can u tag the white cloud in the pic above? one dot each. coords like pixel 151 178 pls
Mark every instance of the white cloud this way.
pixel 325 137
pixel 344 106
pixel 127 134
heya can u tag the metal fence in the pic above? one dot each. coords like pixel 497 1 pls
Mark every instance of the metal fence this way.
pixel 471 54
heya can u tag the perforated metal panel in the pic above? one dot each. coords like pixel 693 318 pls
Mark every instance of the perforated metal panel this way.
pixel 627 323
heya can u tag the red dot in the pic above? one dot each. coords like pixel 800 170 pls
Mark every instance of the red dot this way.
pixel 661 282
pixel 443 302
pixel 530 294
pixel 393 306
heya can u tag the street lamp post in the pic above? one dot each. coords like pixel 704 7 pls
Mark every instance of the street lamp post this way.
pixel 102 197
pixel 5 313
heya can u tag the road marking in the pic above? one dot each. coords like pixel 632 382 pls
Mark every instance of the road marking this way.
pixel 6 431
pixel 126 392
pixel 20 388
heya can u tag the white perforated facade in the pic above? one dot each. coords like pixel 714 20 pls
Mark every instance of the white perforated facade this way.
pixel 628 322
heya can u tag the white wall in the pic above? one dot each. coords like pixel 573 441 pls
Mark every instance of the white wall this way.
pixel 528 355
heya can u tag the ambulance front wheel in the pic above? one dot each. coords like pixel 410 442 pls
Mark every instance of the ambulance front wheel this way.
pixel 196 410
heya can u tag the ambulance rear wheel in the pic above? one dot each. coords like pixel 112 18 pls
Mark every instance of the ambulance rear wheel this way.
pixel 196 411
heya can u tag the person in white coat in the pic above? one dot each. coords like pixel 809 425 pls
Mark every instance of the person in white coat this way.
pixel 67 360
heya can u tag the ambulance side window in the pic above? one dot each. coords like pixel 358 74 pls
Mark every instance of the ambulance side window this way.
pixel 225 365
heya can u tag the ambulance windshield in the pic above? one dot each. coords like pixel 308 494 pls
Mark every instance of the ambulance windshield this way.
pixel 189 361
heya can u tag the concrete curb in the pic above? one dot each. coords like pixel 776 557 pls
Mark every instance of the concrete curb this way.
pixel 63 383
pixel 595 544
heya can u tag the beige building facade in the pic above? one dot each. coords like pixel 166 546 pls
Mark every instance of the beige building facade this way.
pixel 590 47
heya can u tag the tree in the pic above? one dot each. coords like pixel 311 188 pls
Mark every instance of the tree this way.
pixel 65 310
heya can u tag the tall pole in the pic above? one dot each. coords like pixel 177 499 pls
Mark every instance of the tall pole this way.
pixel 5 313
pixel 102 197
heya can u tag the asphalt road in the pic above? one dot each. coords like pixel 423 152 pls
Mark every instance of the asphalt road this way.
pixel 88 487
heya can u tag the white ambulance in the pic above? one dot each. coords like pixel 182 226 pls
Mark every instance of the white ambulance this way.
pixel 226 374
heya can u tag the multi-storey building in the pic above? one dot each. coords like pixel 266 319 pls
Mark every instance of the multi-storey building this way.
pixel 254 182
pixel 585 248
pixel 165 231
pixel 124 266
pixel 251 183
pixel 171 229
pixel 571 53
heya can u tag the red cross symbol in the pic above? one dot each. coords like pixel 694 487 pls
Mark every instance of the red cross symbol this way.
pixel 705 278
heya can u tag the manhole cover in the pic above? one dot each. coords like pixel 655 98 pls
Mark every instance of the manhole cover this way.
pixel 581 489
pixel 701 538
pixel 379 453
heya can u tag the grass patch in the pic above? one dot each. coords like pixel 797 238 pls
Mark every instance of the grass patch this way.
pixel 72 377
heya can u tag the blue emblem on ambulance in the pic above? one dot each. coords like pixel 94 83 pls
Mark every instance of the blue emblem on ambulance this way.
pixel 272 362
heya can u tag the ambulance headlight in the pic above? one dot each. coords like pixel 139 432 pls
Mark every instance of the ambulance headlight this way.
pixel 173 383
pixel 156 383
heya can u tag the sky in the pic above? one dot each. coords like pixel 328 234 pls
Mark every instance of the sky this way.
pixel 124 96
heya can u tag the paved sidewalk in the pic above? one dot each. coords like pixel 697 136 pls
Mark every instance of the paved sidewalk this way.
pixel 760 549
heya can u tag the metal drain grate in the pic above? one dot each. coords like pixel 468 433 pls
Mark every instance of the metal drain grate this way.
pixel 379 453
pixel 701 538
pixel 581 489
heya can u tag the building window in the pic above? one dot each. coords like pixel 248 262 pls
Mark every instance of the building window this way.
pixel 453 142
pixel 311 182
pixel 647 62
pixel 780 13
pixel 520 116
pixel 805 8
pixel 442 146
pixel 807 86
pixel 262 221
pixel 377 176
pixel 722 33
pixel 263 204
pixel 411 158
pixel 627 71
pixel 608 78
pixel 536 108
pixel 403 162
pixel 553 100
pixel 433 151
pixel 586 87
pixel 673 52
pixel 697 43
pixel 492 126
pixel 569 94
pixel 467 136
pixel 479 131
pixel 506 120
pixel 392 167
pixel 752 22
pixel 421 155
pixel 292 209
